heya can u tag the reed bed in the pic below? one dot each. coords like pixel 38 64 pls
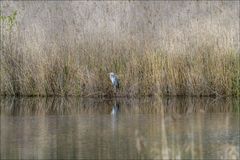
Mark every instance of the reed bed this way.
pixel 206 72
pixel 200 60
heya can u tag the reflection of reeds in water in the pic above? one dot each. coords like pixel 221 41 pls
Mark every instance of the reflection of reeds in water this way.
pixel 171 130
pixel 173 144
pixel 160 149
pixel 174 106
pixel 228 151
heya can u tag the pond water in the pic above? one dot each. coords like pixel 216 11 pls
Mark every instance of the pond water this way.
pixel 76 128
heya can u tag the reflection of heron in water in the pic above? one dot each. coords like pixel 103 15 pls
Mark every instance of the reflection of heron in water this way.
pixel 115 108
pixel 114 115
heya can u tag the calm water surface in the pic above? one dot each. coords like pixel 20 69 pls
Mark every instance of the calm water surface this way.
pixel 74 128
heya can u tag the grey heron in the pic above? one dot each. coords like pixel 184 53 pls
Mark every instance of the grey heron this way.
pixel 114 79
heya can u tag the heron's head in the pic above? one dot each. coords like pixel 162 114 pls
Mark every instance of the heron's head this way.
pixel 111 74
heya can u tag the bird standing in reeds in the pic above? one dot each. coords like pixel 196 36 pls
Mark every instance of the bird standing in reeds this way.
pixel 115 81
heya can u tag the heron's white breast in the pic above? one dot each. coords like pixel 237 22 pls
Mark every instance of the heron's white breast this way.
pixel 112 79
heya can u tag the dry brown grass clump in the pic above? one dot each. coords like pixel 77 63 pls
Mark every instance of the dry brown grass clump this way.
pixel 205 72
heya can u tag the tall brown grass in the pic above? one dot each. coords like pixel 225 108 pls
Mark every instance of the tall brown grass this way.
pixel 197 59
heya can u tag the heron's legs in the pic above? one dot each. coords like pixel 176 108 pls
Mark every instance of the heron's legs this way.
pixel 115 91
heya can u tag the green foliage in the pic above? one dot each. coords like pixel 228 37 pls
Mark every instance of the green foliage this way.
pixel 10 20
